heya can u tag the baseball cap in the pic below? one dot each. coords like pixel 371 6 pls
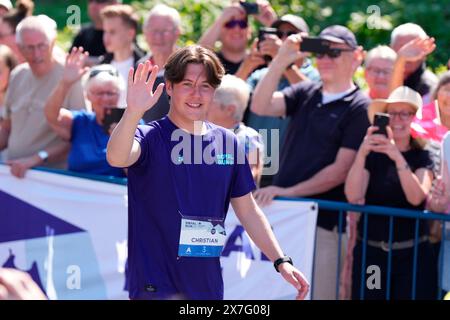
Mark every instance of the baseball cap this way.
pixel 294 20
pixel 339 34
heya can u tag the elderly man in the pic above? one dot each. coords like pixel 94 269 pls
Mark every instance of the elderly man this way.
pixel 328 123
pixel 162 28
pixel 227 110
pixel 25 133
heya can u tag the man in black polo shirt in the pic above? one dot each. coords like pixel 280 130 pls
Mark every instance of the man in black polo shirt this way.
pixel 328 123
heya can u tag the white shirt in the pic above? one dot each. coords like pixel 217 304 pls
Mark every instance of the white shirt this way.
pixel 123 67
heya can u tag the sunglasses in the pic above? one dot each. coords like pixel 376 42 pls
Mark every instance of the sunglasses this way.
pixel 332 53
pixel 95 72
pixel 233 23
pixel 282 34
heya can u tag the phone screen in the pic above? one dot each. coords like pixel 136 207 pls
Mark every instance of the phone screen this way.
pixel 381 120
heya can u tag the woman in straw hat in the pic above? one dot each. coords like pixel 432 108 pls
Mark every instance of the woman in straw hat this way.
pixel 393 170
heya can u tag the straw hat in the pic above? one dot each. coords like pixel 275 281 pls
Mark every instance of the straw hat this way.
pixel 401 94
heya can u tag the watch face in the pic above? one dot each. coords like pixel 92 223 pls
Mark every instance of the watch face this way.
pixel 43 155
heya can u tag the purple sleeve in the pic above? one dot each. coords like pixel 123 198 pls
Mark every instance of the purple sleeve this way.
pixel 141 136
pixel 242 183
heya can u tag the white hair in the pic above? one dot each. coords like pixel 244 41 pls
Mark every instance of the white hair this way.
pixel 407 29
pixel 165 11
pixel 233 91
pixel 380 52
pixel 40 23
pixel 102 78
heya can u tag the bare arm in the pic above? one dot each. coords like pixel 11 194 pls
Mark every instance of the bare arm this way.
pixel 357 180
pixel 326 179
pixel 259 230
pixel 123 150
pixel 212 34
pixel 265 90
pixel 58 118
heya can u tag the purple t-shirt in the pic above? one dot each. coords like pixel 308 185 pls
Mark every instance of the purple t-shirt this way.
pixel 155 271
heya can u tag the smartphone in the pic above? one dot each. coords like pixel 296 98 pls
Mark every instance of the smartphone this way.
pixel 112 116
pixel 314 45
pixel 381 120
pixel 249 7
pixel 262 35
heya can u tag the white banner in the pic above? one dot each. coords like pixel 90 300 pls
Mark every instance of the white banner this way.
pixel 70 234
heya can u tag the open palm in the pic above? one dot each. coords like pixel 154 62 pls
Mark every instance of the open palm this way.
pixel 140 94
pixel 74 68
pixel 417 49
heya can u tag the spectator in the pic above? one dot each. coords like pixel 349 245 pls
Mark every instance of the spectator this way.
pixel 8 25
pixel 379 65
pixel 233 31
pixel 328 122
pixel 25 132
pixel 162 28
pixel 415 74
pixel 5 6
pixel 90 37
pixel 227 110
pixel 439 201
pixel 120 25
pixel 83 128
pixel 7 63
pixel 301 70
pixel 393 171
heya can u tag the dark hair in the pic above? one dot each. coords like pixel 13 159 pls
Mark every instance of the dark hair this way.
pixel 443 80
pixel 175 68
pixel 8 56
pixel 23 9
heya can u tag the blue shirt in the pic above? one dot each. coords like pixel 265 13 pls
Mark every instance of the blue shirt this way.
pixel 88 151
pixel 160 190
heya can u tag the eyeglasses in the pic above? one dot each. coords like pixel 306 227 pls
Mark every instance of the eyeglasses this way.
pixel 379 72
pixel 332 53
pixel 233 23
pixel 108 94
pixel 282 34
pixel 95 72
pixel 163 33
pixel 37 47
pixel 403 115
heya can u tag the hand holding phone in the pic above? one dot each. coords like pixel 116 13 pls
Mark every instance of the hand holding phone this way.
pixel 262 35
pixel 381 120
pixel 111 117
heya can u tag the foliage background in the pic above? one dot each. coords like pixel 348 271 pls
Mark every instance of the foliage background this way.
pixel 359 15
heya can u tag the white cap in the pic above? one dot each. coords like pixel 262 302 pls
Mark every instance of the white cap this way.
pixel 6 3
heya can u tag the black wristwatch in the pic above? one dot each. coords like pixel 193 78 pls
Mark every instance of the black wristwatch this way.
pixel 282 260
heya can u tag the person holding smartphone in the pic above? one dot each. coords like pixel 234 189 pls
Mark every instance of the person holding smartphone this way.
pixel 84 129
pixel 393 170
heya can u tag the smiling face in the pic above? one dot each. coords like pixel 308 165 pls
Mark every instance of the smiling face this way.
pixel 190 98
pixel 401 115
pixel 235 38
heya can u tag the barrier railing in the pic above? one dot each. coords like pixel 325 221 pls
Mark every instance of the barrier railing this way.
pixel 367 210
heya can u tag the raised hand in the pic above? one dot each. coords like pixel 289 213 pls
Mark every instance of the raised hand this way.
pixel 140 94
pixel 267 15
pixel 417 49
pixel 75 65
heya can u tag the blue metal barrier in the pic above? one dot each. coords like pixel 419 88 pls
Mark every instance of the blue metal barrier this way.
pixel 365 210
